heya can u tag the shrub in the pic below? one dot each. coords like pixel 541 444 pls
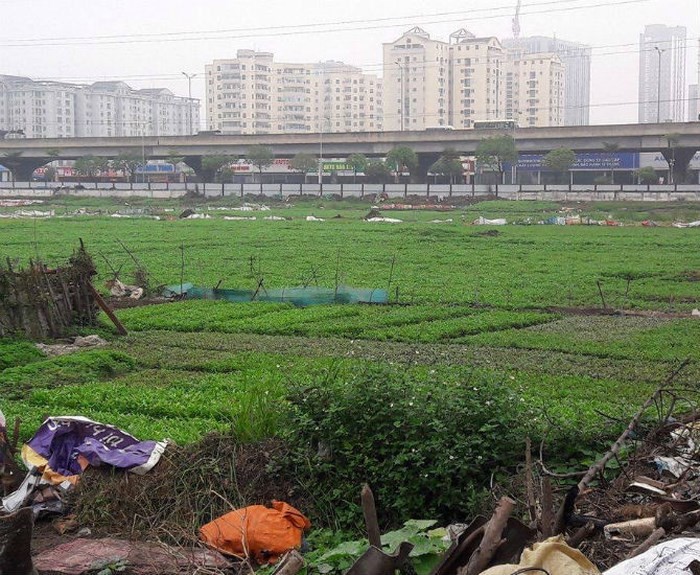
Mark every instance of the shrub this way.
pixel 427 447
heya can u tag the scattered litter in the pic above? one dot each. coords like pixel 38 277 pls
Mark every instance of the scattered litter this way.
pixel 19 203
pixel 481 221
pixel 695 313
pixel 686 225
pixel 257 532
pixel 19 214
pixel 63 447
pixel 384 220
pixel 86 556
pixel 551 556
pixel 244 208
pixel 134 216
pixel 240 218
pixel 554 221
pixel 118 289
pixel 314 219
pixel 78 344
pixel 650 224
pixel 668 558
pixel 447 221
pixel 274 218
pixel 186 213
pixel 198 217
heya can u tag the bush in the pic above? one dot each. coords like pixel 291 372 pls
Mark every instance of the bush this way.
pixel 426 447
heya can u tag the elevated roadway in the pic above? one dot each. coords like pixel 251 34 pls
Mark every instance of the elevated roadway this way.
pixel 22 156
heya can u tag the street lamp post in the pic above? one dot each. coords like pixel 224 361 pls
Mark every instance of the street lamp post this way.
pixel 659 51
pixel 400 94
pixel 189 102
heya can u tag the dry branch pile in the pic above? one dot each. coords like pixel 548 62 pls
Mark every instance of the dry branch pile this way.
pixel 41 303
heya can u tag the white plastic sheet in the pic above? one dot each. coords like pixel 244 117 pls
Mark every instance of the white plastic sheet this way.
pixel 667 558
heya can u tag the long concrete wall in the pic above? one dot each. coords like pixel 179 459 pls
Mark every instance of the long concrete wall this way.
pixel 563 193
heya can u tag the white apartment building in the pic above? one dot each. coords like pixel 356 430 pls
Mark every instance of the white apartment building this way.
pixel 39 109
pixel 576 59
pixel 535 88
pixel 662 54
pixel 430 83
pixel 102 109
pixel 253 94
pixel 694 95
pixel 416 82
pixel 476 74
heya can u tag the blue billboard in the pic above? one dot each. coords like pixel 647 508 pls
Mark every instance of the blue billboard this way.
pixel 585 161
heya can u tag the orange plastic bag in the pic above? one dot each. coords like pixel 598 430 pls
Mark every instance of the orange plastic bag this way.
pixel 256 531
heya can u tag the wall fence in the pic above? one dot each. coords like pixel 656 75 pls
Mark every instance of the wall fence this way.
pixel 436 192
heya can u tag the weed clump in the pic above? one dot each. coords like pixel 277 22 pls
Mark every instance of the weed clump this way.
pixel 427 446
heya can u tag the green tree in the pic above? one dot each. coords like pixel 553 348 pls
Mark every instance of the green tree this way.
pixel 358 163
pixel 402 158
pixel 611 149
pixel 50 174
pixel 213 166
pixel 560 160
pixel 128 162
pixel 303 163
pixel 261 157
pixel 493 152
pixel 87 166
pixel 647 175
pixel 377 172
pixel 449 166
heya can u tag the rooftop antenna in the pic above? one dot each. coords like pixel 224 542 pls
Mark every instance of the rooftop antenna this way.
pixel 516 21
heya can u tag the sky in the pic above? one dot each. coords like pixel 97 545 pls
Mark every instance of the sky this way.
pixel 150 44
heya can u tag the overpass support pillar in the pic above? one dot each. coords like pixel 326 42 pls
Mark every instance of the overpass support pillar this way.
pixel 195 162
pixel 425 161
pixel 22 168
pixel 678 160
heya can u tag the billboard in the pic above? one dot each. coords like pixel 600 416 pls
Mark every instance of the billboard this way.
pixel 585 161
pixel 658 162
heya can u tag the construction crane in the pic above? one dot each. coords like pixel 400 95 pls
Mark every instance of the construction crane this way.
pixel 516 21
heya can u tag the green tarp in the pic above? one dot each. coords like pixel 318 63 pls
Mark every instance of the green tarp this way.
pixel 300 297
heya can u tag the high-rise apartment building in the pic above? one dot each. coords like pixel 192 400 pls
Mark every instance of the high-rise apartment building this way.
pixel 535 90
pixel 102 109
pixel 662 54
pixel 39 109
pixel 476 74
pixel 253 94
pixel 416 82
pixel 576 59
pixel 694 95
pixel 430 83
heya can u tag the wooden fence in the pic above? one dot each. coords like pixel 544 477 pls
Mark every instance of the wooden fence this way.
pixel 41 303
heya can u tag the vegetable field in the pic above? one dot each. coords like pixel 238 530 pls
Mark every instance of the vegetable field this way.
pixel 519 317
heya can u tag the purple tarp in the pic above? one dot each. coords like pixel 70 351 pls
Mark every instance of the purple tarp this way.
pixel 61 440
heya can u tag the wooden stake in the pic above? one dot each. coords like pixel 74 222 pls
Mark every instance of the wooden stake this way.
pixel 492 540
pixel 529 482
pixel 369 510
pixel 105 308
pixel 547 509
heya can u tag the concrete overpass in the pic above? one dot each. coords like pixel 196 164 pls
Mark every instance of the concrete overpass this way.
pixel 23 156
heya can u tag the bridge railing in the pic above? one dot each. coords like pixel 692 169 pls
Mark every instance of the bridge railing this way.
pixel 437 192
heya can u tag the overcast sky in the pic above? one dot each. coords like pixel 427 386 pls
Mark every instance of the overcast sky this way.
pixel 151 43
